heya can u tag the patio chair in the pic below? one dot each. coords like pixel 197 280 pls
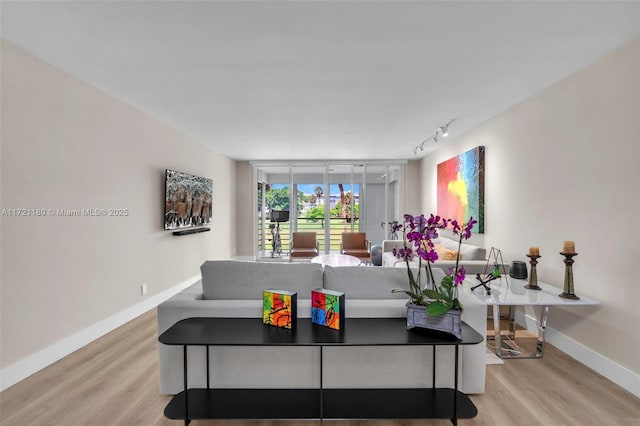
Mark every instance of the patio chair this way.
pixel 355 244
pixel 304 245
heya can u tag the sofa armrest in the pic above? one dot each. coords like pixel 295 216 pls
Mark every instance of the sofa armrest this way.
pixel 389 245
pixel 475 315
pixel 388 259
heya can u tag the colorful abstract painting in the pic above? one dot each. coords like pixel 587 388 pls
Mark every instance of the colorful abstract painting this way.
pixel 279 308
pixel 461 188
pixel 327 308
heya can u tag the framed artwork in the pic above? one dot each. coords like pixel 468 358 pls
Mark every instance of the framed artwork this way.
pixel 461 188
pixel 327 308
pixel 279 308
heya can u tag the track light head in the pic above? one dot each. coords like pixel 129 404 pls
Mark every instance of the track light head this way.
pixel 445 129
pixel 435 137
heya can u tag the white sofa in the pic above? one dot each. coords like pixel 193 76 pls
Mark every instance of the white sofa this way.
pixel 234 289
pixel 472 257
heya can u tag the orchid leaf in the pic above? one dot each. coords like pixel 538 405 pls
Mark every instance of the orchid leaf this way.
pixel 432 294
pixel 415 297
pixel 437 308
pixel 447 282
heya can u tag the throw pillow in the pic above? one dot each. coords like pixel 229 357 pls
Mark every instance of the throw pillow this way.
pixel 471 252
pixel 445 254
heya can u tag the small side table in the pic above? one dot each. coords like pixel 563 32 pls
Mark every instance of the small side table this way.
pixel 336 260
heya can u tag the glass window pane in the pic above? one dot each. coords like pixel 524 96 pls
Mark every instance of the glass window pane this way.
pixel 309 183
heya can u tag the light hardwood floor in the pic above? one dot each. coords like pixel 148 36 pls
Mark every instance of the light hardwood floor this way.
pixel 114 381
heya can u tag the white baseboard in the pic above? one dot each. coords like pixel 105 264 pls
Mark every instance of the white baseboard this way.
pixel 24 368
pixel 604 366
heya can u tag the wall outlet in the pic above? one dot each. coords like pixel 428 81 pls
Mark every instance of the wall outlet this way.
pixel 143 289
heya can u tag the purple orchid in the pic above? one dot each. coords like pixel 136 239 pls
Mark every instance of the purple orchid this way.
pixel 458 276
pixel 465 230
pixel 404 253
pixel 427 255
pixel 396 227
pixel 418 234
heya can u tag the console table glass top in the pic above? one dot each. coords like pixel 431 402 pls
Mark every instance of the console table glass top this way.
pixel 514 293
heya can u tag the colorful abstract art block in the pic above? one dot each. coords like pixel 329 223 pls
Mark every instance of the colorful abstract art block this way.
pixel 461 187
pixel 279 308
pixel 327 308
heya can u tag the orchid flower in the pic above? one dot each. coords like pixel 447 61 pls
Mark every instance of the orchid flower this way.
pixel 418 234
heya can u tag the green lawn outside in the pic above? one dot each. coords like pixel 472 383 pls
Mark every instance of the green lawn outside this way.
pixel 337 228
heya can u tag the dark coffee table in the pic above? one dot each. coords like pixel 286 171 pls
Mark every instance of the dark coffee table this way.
pixel 316 403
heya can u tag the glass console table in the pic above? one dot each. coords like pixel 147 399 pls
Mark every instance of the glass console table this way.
pixel 316 403
pixel 514 294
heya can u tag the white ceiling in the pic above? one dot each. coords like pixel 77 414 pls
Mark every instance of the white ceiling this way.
pixel 320 80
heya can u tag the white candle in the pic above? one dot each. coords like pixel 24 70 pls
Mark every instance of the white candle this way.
pixel 569 247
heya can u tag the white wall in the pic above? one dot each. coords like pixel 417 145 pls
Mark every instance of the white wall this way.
pixel 563 165
pixel 66 145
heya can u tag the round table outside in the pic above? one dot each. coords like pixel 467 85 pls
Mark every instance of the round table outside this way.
pixel 336 260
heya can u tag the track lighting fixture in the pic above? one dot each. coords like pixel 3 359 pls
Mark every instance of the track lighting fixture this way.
pixel 444 129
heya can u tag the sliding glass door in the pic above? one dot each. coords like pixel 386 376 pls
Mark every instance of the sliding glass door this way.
pixel 309 183
pixel 325 198
pixel 345 184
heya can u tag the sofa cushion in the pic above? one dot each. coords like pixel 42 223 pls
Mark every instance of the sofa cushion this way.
pixel 467 251
pixel 361 282
pixel 471 252
pixel 228 279
pixel 447 243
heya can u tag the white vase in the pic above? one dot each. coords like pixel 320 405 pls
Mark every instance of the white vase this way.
pixel 450 322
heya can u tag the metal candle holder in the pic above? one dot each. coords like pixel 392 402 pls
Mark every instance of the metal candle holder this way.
pixel 568 277
pixel 533 277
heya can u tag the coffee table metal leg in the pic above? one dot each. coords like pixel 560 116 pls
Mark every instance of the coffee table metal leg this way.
pixel 496 330
pixel 541 329
pixel 498 337
pixel 512 321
